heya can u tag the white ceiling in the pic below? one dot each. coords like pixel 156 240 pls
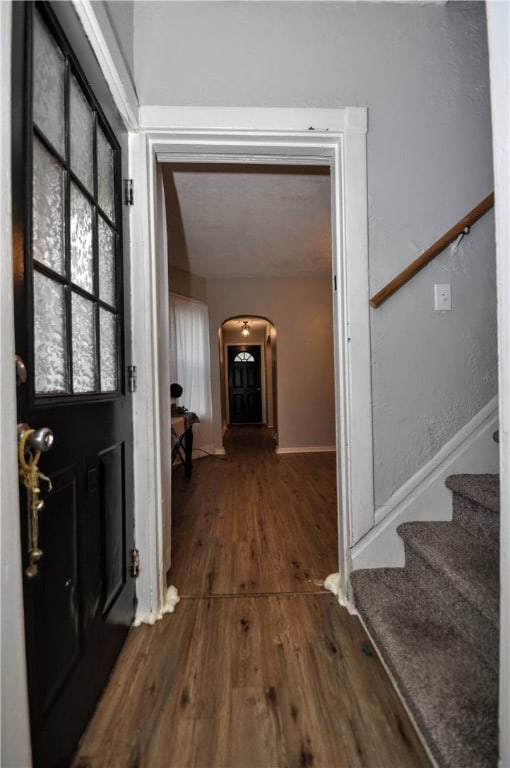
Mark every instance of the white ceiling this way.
pixel 235 221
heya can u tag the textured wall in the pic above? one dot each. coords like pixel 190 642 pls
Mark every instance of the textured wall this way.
pixel 421 69
pixel 301 311
pixel 433 371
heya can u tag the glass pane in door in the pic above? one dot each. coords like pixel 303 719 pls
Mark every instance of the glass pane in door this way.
pixel 82 265
pixel 81 130
pixel 48 211
pixel 105 178
pixel 84 345
pixel 49 86
pixel 106 263
pixel 49 336
pixel 108 347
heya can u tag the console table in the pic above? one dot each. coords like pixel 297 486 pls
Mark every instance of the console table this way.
pixel 182 439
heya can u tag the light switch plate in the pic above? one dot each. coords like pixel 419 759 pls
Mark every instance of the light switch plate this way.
pixel 442 297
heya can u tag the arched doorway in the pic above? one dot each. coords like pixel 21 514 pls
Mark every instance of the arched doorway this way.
pixel 248 372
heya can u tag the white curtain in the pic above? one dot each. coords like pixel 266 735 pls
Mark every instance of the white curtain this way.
pixel 190 364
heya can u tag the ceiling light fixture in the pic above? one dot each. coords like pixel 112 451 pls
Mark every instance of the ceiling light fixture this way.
pixel 245 330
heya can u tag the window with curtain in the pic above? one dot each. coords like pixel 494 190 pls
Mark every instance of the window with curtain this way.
pixel 190 364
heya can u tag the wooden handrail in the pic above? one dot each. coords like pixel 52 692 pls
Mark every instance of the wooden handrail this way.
pixel 427 256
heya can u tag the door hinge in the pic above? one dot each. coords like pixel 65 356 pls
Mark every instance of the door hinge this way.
pixel 135 563
pixel 132 378
pixel 129 188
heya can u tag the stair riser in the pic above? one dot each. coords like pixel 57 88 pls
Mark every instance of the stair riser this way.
pixel 465 617
pixel 481 522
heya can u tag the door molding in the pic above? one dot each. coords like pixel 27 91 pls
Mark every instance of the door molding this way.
pixel 15 746
pixel 96 25
pixel 336 138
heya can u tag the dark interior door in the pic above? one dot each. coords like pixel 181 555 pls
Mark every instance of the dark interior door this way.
pixel 70 331
pixel 245 397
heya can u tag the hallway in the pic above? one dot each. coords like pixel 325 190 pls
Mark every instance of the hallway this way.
pixel 259 667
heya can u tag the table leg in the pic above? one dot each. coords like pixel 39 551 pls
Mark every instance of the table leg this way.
pixel 188 452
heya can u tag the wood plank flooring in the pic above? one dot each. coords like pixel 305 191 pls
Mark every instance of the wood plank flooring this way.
pixel 258 667
pixel 255 523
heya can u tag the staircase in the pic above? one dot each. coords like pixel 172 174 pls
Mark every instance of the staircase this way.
pixel 435 622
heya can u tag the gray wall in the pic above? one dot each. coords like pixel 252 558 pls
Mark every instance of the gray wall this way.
pixel 422 72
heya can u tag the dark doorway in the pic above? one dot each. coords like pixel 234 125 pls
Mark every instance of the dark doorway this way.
pixel 244 390
pixel 69 304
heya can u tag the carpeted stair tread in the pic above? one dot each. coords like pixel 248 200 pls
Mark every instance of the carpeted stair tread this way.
pixel 451 692
pixel 465 562
pixel 463 612
pixel 481 489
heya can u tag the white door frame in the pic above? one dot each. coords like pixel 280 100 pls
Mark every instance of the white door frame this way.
pixel 336 138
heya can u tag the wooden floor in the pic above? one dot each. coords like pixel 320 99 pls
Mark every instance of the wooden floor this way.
pixel 258 667
pixel 255 523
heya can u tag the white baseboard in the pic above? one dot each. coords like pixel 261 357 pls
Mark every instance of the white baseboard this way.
pixel 219 451
pixel 425 496
pixel 308 449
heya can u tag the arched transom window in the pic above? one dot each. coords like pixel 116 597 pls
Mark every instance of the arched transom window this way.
pixel 244 357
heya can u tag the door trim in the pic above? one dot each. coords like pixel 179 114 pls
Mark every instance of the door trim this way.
pixel 279 136
pixel 96 24
pixel 15 746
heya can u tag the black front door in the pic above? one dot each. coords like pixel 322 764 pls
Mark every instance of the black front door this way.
pixel 245 397
pixel 69 295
